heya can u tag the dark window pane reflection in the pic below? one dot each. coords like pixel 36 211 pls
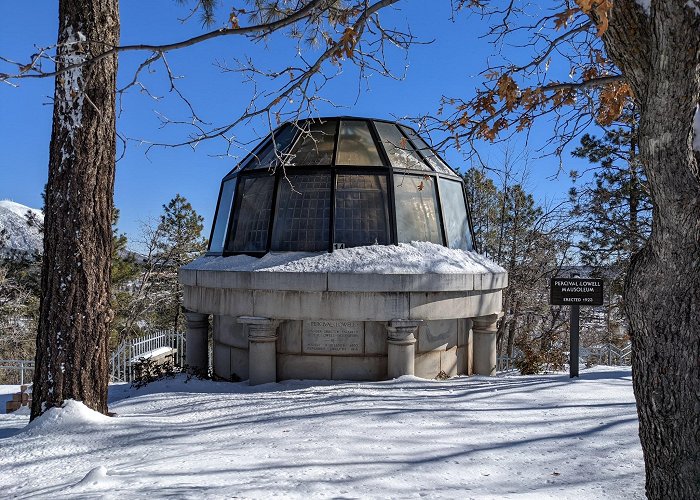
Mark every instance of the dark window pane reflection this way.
pixel 254 214
pixel 270 155
pixel 361 210
pixel 454 210
pixel 303 213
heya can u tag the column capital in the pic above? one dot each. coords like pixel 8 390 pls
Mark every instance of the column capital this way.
pixel 260 329
pixel 401 331
pixel 195 319
pixel 485 324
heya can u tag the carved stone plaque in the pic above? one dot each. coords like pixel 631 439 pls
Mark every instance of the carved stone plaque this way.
pixel 333 337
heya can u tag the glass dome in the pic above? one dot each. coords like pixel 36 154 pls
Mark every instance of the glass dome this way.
pixel 324 184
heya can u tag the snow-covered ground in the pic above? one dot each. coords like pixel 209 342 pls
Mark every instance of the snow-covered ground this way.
pixel 538 437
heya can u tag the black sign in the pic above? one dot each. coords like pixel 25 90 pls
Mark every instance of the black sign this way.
pixel 576 291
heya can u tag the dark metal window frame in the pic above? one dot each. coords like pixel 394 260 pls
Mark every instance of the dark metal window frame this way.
pixel 386 170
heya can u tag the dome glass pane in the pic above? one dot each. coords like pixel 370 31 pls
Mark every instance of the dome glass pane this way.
pixel 435 162
pixel 228 188
pixel 315 147
pixel 454 211
pixel 361 211
pixel 253 221
pixel 416 209
pixel 302 219
pixel 356 145
pixel 399 150
pixel 270 155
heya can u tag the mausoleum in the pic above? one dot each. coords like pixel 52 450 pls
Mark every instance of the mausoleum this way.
pixel 342 249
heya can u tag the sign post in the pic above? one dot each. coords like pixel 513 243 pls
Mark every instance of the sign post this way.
pixel 575 292
pixel 573 342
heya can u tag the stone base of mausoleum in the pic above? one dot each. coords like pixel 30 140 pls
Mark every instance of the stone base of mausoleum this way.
pixel 343 350
pixel 279 325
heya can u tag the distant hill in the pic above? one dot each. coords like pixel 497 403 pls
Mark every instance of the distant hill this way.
pixel 20 228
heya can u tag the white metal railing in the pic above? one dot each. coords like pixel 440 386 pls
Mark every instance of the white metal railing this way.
pixel 609 354
pixel 126 355
pixel 504 364
pixel 18 365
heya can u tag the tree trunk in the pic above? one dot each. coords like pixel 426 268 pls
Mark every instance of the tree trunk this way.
pixel 72 342
pixel 634 193
pixel 660 57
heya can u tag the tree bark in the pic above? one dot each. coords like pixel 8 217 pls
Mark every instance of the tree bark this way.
pixel 72 342
pixel 659 55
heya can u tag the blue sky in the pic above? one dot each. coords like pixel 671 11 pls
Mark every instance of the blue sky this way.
pixel 448 66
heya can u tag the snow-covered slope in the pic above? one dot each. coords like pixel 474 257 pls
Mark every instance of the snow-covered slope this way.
pixel 535 437
pixel 20 235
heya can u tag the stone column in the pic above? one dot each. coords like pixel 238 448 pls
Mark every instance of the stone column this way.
pixel 484 344
pixel 197 341
pixel 262 349
pixel 401 347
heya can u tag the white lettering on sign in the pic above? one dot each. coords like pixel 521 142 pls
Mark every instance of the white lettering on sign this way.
pixel 579 289
pixel 578 284
pixel 333 337
pixel 584 291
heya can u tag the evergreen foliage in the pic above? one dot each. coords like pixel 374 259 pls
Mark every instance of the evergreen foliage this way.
pixel 153 296
pixel 180 242
pixel 530 243
pixel 124 271
pixel 613 211
pixel 615 208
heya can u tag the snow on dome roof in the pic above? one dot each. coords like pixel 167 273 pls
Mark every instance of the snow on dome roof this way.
pixel 406 258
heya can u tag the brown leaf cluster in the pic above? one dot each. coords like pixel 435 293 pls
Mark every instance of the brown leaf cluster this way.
pixel 508 91
pixel 346 44
pixel 612 101
pixel 561 20
pixel 598 10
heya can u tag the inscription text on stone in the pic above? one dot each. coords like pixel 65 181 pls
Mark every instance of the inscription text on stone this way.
pixel 333 337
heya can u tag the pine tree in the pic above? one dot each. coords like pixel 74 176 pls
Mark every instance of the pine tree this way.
pixel 614 210
pixel 75 312
pixel 124 271
pixel 484 204
pixel 179 241
pixel 528 242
